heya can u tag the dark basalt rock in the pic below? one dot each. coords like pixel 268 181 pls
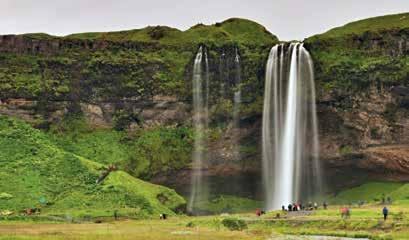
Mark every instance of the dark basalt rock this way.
pixel 400 91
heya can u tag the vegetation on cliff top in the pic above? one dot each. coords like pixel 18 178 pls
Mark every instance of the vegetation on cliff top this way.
pixel 375 24
pixel 361 54
pixel 35 172
pixel 241 31
pixel 160 65
pixel 233 30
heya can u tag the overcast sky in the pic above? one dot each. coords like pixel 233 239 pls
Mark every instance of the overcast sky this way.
pixel 288 19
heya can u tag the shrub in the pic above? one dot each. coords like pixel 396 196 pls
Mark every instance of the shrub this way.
pixel 345 150
pixel 5 196
pixel 234 224
pixel 190 225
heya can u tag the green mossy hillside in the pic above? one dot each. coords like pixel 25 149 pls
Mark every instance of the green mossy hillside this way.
pixel 37 173
pixel 375 24
pixel 228 204
pixel 369 52
pixel 240 31
pixel 373 192
pixel 144 153
pixel 138 63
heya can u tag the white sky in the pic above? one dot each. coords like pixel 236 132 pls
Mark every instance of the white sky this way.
pixel 288 19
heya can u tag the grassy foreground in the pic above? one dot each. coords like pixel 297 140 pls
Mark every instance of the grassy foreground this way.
pixel 365 222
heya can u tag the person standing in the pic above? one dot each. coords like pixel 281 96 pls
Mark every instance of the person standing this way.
pixel 258 212
pixel 385 212
pixel 290 207
pixel 116 215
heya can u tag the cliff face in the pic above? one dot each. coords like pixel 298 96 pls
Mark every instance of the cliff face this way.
pixel 135 80
pixel 362 76
pixel 109 75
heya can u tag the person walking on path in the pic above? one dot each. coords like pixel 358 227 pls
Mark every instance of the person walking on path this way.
pixel 385 212
pixel 345 213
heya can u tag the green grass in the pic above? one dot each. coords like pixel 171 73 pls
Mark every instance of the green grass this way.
pixel 37 173
pixel 365 222
pixel 375 24
pixel 232 30
pixel 371 192
pixel 172 229
pixel 349 60
pixel 228 204
pixel 144 153
pixel 160 65
pixel 103 145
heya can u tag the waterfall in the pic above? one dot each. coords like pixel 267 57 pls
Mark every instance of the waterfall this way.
pixel 222 78
pixel 291 169
pixel 237 92
pixel 236 106
pixel 200 91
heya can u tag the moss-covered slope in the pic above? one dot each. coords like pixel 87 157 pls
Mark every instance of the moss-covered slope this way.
pixel 373 192
pixel 34 172
pixel 127 64
pixel 235 30
pixel 370 51
pixel 144 153
pixel 375 24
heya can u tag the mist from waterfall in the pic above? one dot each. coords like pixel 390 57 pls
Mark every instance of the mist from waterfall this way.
pixel 200 91
pixel 290 145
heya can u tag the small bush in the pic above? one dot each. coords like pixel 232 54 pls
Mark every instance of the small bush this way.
pixel 5 196
pixel 216 223
pixel 190 225
pixel 345 150
pixel 234 224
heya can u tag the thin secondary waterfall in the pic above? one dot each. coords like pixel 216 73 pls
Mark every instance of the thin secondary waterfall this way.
pixel 236 105
pixel 237 92
pixel 200 90
pixel 291 169
pixel 222 77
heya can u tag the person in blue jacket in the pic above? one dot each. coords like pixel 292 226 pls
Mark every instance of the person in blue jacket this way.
pixel 385 212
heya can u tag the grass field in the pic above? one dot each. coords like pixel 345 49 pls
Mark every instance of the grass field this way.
pixel 365 222
pixel 174 228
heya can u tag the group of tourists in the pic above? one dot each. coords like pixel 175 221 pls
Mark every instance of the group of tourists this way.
pixel 300 207
pixel 346 213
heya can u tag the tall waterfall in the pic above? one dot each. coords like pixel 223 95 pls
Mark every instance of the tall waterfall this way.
pixel 291 169
pixel 200 90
